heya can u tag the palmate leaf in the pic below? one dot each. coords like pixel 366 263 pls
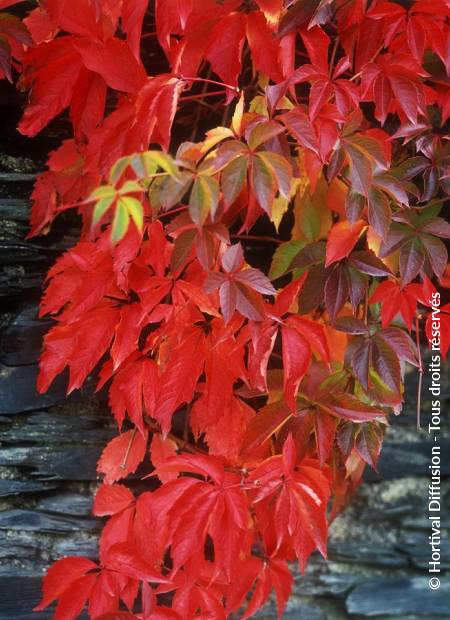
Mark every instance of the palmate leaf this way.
pixel 122 456
pixel 233 178
pixel 283 258
pixel 204 199
pixel 341 240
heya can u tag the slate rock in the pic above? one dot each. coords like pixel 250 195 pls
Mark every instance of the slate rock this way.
pixel 360 553
pixel 305 611
pixel 54 426
pixel 77 463
pixel 416 545
pixel 11 551
pixel 18 597
pixel 335 585
pixel 32 520
pixel 18 390
pixel 50 463
pixel 17 487
pixel 71 546
pixel 397 596
pixel 21 340
pixel 398 460
pixel 66 503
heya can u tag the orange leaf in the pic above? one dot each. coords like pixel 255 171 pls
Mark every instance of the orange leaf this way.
pixel 342 239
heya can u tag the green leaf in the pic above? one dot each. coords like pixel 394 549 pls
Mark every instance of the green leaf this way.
pixel 310 255
pixel 134 208
pixel 120 223
pixel 233 178
pixel 105 191
pixel 281 169
pixel 263 132
pixel 204 199
pixel 166 192
pixel 129 187
pixel 101 208
pixel 263 183
pixel 428 213
pixel 118 169
pixel 146 164
pixel 104 197
pixel 283 256
pixel 307 217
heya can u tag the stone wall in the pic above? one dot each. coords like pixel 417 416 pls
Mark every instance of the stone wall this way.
pixel 378 550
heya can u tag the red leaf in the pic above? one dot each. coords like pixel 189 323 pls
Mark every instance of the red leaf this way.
pixel 396 300
pixel 79 345
pixel 61 575
pixel 126 560
pixel 296 356
pixel 114 61
pixel 342 239
pixel 156 105
pixel 349 408
pixel 180 377
pixel 301 128
pixel 256 280
pixel 111 499
pixel 224 52
pixel 162 450
pixel 127 332
pixel 133 13
pixel 52 70
pixel 73 599
pixel 264 46
pixel 135 384
pixel 233 258
pixel 88 103
pixel 122 456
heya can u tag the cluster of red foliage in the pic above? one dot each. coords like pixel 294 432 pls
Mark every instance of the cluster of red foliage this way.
pixel 255 403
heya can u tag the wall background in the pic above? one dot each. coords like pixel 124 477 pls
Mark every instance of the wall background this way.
pixel 378 550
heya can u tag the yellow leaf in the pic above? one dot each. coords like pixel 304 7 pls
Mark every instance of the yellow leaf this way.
pixel 258 105
pixel 236 121
pixel 279 207
pixel 214 136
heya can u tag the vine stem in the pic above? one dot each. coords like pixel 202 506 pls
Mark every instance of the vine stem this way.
pixel 333 56
pixel 181 443
pixel 419 387
pixel 257 238
pixel 358 75
pixel 211 93
pixel 172 211
pixel 208 81
pixel 127 451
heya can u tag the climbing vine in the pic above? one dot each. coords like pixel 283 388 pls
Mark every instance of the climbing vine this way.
pixel 261 188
